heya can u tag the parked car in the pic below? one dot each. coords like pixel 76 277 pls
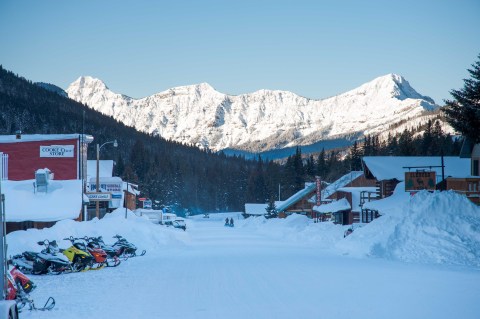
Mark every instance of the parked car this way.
pixel 177 223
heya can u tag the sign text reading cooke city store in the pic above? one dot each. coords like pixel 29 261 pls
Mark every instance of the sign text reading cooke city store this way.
pixel 56 151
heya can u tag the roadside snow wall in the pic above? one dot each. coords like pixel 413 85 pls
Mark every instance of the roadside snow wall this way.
pixel 439 228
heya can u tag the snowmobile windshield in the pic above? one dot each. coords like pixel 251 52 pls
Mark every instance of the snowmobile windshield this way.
pixel 54 249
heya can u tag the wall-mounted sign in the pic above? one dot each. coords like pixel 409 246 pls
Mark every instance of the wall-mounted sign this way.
pixel 57 151
pixel 415 181
pixel 147 203
pixel 99 197
pixel 108 187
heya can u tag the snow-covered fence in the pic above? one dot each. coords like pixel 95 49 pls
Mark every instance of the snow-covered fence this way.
pixel 4 167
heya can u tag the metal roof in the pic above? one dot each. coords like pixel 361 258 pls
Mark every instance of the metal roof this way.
pixel 296 197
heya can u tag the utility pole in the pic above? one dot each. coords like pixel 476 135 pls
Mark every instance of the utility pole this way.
pixel 97 204
pixel 126 202
pixel 3 244
pixel 444 187
pixel 97 188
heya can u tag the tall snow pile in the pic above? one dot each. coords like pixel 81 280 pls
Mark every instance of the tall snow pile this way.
pixel 438 228
pixel 138 230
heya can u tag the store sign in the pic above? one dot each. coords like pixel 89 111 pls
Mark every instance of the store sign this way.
pixel 57 151
pixel 147 203
pixel 99 197
pixel 107 187
pixel 415 181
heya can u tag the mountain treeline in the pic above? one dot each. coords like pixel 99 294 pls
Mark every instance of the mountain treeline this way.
pixel 426 140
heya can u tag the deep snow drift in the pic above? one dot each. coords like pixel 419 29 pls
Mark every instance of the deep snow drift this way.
pixel 438 228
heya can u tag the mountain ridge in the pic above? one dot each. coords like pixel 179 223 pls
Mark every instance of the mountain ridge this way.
pixel 259 121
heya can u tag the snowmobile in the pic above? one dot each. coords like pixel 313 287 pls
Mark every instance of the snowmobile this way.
pixel 78 255
pixel 48 261
pixel 98 254
pixel 110 250
pixel 112 255
pixel 129 249
pixel 18 288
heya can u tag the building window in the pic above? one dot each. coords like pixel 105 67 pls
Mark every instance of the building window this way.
pixel 475 167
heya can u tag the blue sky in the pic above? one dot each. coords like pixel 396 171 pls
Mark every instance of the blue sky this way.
pixel 313 48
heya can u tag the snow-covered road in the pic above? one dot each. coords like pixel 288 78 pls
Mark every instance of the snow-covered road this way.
pixel 241 272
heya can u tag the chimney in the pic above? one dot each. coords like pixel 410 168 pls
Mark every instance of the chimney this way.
pixel 18 135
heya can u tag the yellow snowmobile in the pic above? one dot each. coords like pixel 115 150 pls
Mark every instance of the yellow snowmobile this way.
pixel 78 255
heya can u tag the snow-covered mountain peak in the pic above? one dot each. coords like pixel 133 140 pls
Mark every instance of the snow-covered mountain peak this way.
pixel 390 86
pixel 259 121
pixel 89 82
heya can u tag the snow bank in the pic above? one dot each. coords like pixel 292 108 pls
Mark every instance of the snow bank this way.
pixel 138 230
pixel 431 228
pixel 297 228
pixel 438 228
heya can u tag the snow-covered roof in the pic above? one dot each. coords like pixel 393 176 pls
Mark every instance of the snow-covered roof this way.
pixel 42 137
pixel 390 167
pixel 63 200
pixel 384 205
pixel 333 207
pixel 105 168
pixel 113 179
pixel 132 188
pixel 296 197
pixel 259 209
pixel 355 191
pixel 341 182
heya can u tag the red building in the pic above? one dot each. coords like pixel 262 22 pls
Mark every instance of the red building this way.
pixel 63 154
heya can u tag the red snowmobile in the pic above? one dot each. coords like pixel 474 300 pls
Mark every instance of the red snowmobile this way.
pixel 18 288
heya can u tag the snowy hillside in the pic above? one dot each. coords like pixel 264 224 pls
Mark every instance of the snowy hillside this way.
pixel 52 88
pixel 258 121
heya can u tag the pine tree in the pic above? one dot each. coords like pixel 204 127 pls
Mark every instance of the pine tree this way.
pixel 355 157
pixel 463 113
pixel 322 164
pixel 427 140
pixel 438 139
pixel 310 167
pixel 367 146
pixel 405 143
pixel 271 208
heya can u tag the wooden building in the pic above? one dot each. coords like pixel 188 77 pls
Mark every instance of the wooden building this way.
pixel 388 171
pixel 299 202
pixel 63 154
pixel 469 186
pixel 347 189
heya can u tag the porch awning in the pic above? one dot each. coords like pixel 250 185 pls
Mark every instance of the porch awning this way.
pixel 333 207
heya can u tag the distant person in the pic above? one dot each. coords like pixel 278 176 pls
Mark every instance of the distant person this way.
pixel 226 221
pixel 231 221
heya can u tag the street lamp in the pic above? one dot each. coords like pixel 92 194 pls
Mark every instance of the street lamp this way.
pixel 97 204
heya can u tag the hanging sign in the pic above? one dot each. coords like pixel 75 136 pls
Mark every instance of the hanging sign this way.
pixel 56 151
pixel 99 197
pixel 415 181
